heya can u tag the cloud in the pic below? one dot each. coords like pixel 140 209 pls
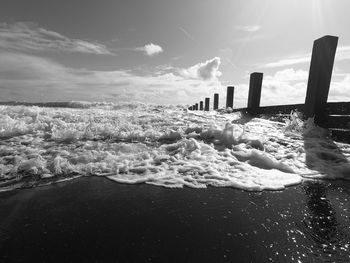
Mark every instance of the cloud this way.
pixel 150 49
pixel 284 87
pixel 208 70
pixel 342 53
pixel 32 78
pixel 288 75
pixel 248 28
pixel 340 90
pixel 186 33
pixel 30 37
pixel 287 62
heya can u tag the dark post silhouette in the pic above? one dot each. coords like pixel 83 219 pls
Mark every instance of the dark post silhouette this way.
pixel 216 101
pixel 229 97
pixel 320 74
pixel 190 108
pixel 201 105
pixel 206 107
pixel 196 106
pixel 254 92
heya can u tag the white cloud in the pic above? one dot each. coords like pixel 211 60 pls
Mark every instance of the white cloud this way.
pixel 32 78
pixel 287 62
pixel 186 33
pixel 340 90
pixel 150 49
pixel 342 53
pixel 208 70
pixel 288 75
pixel 287 86
pixel 30 37
pixel 248 28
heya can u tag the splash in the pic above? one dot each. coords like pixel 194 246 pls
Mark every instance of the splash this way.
pixel 163 145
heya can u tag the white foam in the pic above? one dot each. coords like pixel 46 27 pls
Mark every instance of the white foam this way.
pixel 166 146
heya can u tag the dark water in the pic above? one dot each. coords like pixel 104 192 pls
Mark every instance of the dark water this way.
pixel 96 220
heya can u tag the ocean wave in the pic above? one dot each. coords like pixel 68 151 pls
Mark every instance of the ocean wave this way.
pixel 163 145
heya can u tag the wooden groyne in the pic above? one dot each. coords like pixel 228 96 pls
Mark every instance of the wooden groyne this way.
pixel 332 115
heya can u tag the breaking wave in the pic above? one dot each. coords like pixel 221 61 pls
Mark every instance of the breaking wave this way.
pixel 162 145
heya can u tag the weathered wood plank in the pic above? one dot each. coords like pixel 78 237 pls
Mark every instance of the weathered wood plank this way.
pixel 201 105
pixel 229 96
pixel 216 101
pixel 206 106
pixel 254 92
pixel 338 121
pixel 320 74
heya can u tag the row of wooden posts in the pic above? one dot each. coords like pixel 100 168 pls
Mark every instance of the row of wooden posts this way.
pixel 253 96
pixel 320 74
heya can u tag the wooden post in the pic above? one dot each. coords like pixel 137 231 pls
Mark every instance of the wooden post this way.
pixel 229 97
pixel 216 101
pixel 190 108
pixel 206 107
pixel 196 106
pixel 320 75
pixel 201 105
pixel 254 92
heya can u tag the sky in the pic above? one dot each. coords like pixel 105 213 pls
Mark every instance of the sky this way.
pixel 166 51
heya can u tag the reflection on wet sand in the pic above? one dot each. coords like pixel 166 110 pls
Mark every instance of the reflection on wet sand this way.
pixel 326 236
pixel 322 220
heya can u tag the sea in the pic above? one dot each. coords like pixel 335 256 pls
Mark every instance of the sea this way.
pixel 136 182
pixel 166 146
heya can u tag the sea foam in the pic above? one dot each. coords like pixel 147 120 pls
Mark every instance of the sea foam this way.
pixel 163 145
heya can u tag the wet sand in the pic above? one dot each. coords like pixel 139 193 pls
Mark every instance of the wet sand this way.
pixel 97 220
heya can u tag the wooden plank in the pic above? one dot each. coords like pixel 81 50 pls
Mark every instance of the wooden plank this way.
pixel 341 135
pixel 229 96
pixel 338 108
pixel 338 121
pixel 207 101
pixel 216 101
pixel 201 105
pixel 320 74
pixel 281 109
pixel 254 92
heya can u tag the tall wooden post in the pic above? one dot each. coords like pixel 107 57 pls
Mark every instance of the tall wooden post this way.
pixel 216 101
pixel 320 74
pixel 196 106
pixel 201 105
pixel 254 92
pixel 229 97
pixel 206 107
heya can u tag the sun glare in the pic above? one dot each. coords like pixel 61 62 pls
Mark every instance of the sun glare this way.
pixel 318 16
